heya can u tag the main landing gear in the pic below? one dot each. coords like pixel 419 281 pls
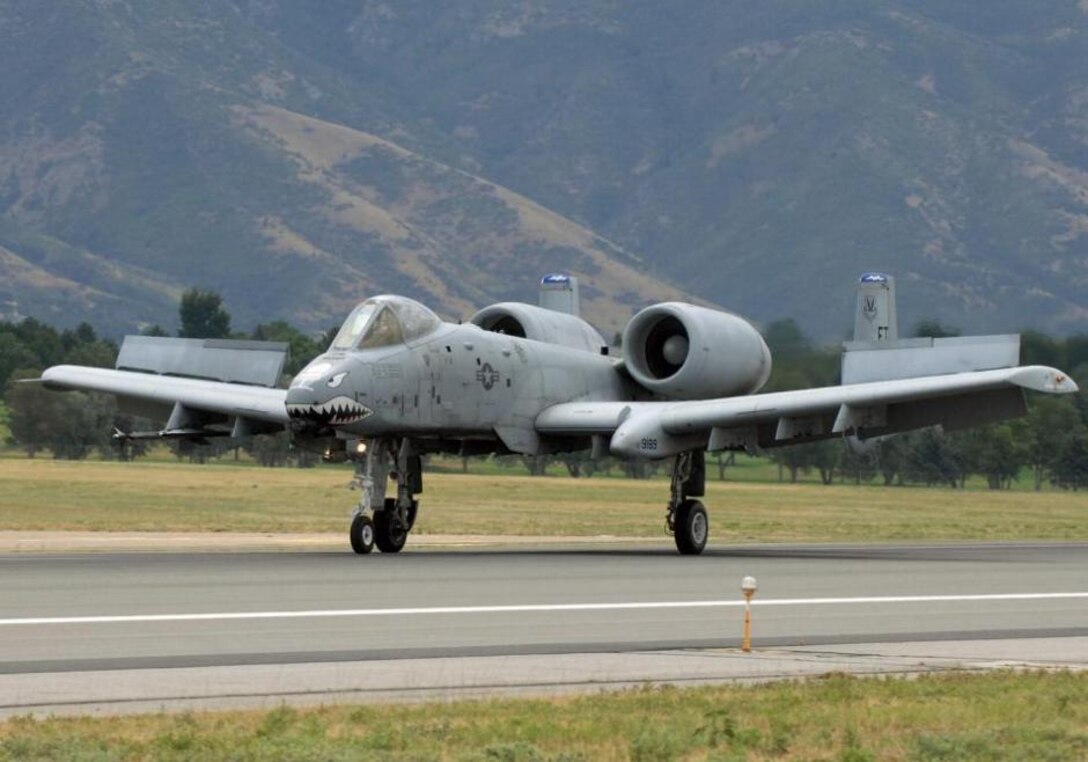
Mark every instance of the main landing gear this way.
pixel 686 519
pixel 379 520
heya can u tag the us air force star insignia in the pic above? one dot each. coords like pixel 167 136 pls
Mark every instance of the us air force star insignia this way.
pixel 487 376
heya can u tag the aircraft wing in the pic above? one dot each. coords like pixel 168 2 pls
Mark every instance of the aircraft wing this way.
pixel 189 402
pixel 662 429
pixel 200 387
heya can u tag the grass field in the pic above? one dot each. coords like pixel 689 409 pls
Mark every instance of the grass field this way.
pixel 45 494
pixel 995 716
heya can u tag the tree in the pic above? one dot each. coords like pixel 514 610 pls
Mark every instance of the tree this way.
pixel 1071 465
pixel 858 462
pixel 934 460
pixel 79 422
pixel 932 328
pixel 302 348
pixel 71 425
pixel 25 403
pixel 97 354
pixel 788 458
pixel 1043 432
pixel 13 356
pixel 43 340
pixel 271 451
pixel 786 340
pixel 202 315
pixel 993 451
pixel 892 455
pixel 1039 349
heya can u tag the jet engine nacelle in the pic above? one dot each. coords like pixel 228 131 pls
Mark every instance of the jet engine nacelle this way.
pixel 686 352
pixel 528 322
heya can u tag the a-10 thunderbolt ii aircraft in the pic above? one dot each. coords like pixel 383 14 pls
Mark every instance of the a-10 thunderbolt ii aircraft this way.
pixel 397 383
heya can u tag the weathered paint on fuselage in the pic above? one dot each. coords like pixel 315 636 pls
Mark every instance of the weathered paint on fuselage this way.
pixel 461 382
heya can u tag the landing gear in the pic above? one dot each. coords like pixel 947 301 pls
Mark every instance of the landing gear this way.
pixel 686 519
pixel 386 521
pixel 691 528
pixel 391 527
pixel 362 533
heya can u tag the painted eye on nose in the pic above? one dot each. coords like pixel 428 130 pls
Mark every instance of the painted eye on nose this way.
pixel 336 380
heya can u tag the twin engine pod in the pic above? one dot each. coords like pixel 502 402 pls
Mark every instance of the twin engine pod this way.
pixel 684 352
pixel 539 324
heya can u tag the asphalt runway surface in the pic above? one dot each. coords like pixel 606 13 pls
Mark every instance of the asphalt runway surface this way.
pixel 103 614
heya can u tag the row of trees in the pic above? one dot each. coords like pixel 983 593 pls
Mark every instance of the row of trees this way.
pixel 1001 454
pixel 1051 443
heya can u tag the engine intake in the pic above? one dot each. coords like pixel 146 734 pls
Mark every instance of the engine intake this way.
pixel 539 324
pixel 682 351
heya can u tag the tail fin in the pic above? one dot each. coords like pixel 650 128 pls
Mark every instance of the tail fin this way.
pixel 559 293
pixel 875 318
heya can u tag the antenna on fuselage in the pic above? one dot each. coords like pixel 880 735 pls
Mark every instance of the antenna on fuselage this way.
pixel 559 293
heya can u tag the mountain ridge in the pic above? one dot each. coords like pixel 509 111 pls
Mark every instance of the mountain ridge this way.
pixel 757 158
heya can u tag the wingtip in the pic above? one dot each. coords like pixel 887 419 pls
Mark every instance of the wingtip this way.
pixel 1048 380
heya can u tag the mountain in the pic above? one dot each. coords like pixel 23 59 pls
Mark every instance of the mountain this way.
pixel 299 157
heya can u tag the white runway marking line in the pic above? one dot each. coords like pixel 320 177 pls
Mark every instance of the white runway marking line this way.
pixel 528 608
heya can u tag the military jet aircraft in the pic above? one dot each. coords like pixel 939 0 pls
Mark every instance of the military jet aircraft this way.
pixel 397 382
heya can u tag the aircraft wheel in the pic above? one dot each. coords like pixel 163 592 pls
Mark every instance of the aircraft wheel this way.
pixel 390 533
pixel 692 528
pixel 362 533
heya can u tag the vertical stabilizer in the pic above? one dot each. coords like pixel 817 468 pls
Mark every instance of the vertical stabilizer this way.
pixel 875 317
pixel 559 293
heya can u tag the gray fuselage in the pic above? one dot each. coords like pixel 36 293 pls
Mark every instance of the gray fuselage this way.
pixel 458 381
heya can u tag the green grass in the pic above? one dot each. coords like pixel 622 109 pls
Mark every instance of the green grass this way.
pixel 44 494
pixel 995 716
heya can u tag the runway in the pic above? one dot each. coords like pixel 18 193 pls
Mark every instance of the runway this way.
pixel 99 613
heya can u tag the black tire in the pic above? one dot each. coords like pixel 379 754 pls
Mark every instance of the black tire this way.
pixel 362 534
pixel 691 528
pixel 389 533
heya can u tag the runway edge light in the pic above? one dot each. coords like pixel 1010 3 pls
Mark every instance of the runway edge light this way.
pixel 748 587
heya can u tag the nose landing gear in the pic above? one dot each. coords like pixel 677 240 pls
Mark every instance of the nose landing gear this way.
pixel 379 520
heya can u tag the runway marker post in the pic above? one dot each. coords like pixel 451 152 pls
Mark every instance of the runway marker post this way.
pixel 748 587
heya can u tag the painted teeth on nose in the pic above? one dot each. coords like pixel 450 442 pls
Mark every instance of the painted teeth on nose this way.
pixel 340 410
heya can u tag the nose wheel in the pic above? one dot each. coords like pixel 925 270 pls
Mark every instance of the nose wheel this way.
pixel 362 533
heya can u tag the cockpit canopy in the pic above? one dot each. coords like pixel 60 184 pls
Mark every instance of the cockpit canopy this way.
pixel 383 321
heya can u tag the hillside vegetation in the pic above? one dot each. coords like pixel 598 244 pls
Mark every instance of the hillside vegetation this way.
pixel 298 157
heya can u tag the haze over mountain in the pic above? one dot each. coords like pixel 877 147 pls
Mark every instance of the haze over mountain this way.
pixel 299 157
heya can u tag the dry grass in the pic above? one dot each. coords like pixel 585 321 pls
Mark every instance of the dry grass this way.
pixel 102 496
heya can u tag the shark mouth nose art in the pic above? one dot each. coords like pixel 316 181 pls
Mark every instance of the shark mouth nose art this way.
pixel 338 411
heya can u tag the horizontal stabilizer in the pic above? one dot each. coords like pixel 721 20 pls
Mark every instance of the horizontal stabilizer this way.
pixel 865 361
pixel 258 363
